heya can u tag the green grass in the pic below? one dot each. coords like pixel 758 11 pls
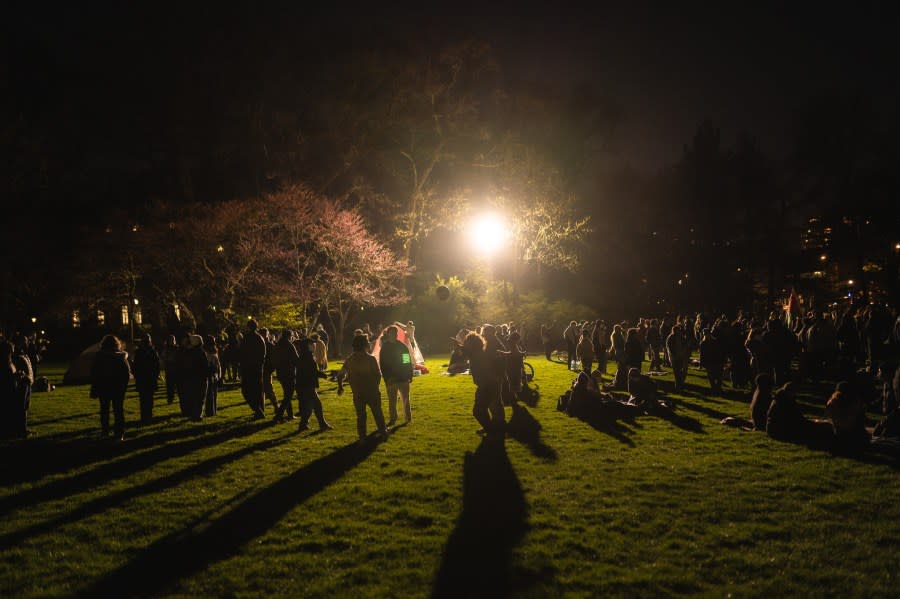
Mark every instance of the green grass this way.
pixel 641 507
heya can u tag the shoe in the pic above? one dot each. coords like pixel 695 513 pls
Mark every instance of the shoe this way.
pixel 278 419
pixel 392 422
pixel 325 427
pixel 303 427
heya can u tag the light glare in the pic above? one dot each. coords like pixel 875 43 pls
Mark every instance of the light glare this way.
pixel 488 233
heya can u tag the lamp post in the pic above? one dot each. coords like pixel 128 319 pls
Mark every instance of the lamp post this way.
pixel 131 308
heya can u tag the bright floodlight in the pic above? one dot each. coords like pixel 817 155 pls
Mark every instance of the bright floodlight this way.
pixel 488 233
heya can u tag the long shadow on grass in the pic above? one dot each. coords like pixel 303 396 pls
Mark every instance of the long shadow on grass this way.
pixel 525 429
pixel 682 421
pixel 62 418
pixel 112 500
pixel 611 419
pixel 185 553
pixel 92 478
pixel 477 560
pixel 51 455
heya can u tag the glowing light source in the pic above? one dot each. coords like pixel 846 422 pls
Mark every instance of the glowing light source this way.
pixel 488 233
pixel 823 258
pixel 33 319
pixel 850 282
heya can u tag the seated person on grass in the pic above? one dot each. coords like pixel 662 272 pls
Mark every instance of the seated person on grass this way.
pixel 847 412
pixel 785 420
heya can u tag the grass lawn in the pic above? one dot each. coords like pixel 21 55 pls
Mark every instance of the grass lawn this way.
pixel 646 506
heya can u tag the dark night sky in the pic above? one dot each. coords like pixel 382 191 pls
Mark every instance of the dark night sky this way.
pixel 668 66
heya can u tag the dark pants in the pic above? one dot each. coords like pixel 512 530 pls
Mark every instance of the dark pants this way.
pixel 309 404
pixel 287 388
pixel 145 395
pixel 118 406
pixel 548 349
pixel 586 365
pixel 679 371
pixel 170 384
pixel 252 388
pixel 212 397
pixel 373 401
pixel 570 353
pixel 714 374
pixel 269 391
pixel 602 359
pixel 488 409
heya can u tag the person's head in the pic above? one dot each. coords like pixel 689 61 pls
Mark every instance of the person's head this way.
pixel 110 343
pixel 147 341
pixel 514 337
pixel 842 387
pixel 264 332
pixel 390 333
pixel 314 337
pixel 360 343
pixel 634 374
pixel 194 341
pixel 171 341
pixel 473 343
pixel 488 330
pixel 410 324
pixel 287 335
pixel 784 393
pixel 252 325
pixel 573 323
pixel 764 382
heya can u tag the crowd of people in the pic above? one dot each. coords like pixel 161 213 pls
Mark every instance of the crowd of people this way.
pixel 853 348
pixel 856 348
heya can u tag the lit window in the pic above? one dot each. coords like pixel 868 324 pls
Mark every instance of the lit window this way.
pixel 101 318
pixel 138 317
pixel 177 311
pixel 76 319
pixel 124 314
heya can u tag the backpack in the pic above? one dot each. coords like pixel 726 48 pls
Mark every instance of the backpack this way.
pixel 42 385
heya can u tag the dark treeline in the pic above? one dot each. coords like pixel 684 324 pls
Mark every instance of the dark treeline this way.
pixel 114 109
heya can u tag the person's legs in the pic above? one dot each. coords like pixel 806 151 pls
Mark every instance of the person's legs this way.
pixel 586 366
pixel 480 409
pixel 287 390
pixel 403 388
pixel 374 403
pixel 170 386
pixel 269 391
pixel 118 405
pixel 306 408
pixel 392 390
pixel 359 404
pixel 104 416
pixel 317 409
pixel 145 396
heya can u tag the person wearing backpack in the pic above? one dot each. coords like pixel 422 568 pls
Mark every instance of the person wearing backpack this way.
pixel 110 374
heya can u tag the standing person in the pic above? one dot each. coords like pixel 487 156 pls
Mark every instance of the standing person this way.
pixel 712 358
pixel 286 361
pixel 110 374
pixel 214 375
pixel 678 354
pixel 570 335
pixel 397 370
pixel 323 337
pixel 654 344
pixel 585 351
pixel 23 364
pixel 170 363
pixel 320 352
pixel 547 340
pixel 514 358
pixel 488 408
pixel 252 358
pixel 146 376
pixel 268 369
pixel 362 372
pixel 194 377
pixel 308 375
pixel 12 398
pixel 601 345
